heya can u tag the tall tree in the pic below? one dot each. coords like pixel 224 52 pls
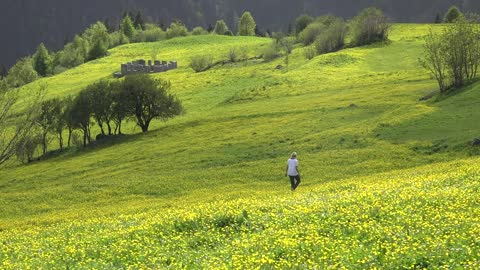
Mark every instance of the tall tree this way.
pixel 139 21
pixel 247 25
pixel 41 61
pixel 150 99
pixel 302 22
pixel 452 15
pixel 3 72
pixel 22 73
pixel 220 27
pixel 127 27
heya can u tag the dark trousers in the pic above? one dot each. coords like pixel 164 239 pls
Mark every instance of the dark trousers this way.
pixel 295 181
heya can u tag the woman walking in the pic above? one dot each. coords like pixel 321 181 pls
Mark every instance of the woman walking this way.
pixel 292 171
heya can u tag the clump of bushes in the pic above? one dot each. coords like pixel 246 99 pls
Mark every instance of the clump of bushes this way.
pixel 370 26
pixel 201 63
pixel 197 31
pixel 177 29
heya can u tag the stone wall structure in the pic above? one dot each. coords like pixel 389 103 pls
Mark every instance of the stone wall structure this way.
pixel 144 67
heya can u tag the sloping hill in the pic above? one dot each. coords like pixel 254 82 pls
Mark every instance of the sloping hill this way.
pixel 351 115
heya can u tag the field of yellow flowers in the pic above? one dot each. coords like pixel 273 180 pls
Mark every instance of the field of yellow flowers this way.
pixel 415 219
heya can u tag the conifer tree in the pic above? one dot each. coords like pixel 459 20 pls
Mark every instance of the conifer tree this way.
pixel 247 25
pixel 127 27
pixel 41 61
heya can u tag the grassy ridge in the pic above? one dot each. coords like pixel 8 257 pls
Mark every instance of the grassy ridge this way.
pixel 350 115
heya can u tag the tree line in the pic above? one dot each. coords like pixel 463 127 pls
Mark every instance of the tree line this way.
pixel 104 104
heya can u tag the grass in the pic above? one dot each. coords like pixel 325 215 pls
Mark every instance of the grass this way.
pixel 383 174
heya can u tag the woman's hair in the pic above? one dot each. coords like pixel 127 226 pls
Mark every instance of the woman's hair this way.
pixel 294 154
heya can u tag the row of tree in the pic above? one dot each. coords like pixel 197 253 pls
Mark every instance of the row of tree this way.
pixel 106 104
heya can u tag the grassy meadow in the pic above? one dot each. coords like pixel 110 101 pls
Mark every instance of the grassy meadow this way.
pixel 388 181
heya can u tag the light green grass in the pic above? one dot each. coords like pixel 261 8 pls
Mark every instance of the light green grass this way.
pixel 352 115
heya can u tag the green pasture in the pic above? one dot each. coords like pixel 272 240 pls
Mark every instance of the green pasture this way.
pixel 353 117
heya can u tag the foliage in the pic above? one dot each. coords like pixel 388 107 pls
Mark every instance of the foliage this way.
pixel 310 52
pixel 199 31
pixel 201 63
pixel 220 27
pixel 47 119
pixel 311 33
pixel 247 25
pixel 74 54
pixel 127 27
pixel 271 52
pixel 27 147
pixel 370 26
pixel 177 29
pixel 453 57
pixel 21 73
pixel 452 15
pixel 229 33
pixel 78 115
pixel 332 38
pixel 41 61
pixel 99 39
pixel 149 99
pixel 117 39
pixel 302 22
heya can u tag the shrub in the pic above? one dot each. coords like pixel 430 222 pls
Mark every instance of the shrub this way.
pixel 310 52
pixel 452 15
pixel 228 33
pixel 21 73
pixel 302 22
pixel 370 26
pixel 117 39
pixel 26 148
pixel 201 62
pixel 154 33
pixel 247 25
pixel 41 61
pixel 311 32
pixel 138 36
pixel 197 31
pixel 332 39
pixel 177 29
pixel 127 27
pixel 220 27
pixel 271 52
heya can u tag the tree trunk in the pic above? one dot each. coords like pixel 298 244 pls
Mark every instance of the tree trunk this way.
pixel 44 141
pixel 70 131
pixel 60 141
pixel 109 128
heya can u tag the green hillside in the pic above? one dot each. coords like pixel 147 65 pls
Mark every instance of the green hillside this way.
pixel 206 190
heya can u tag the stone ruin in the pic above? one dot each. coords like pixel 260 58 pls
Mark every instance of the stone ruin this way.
pixel 144 67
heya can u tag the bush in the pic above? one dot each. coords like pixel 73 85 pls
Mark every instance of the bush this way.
pixel 247 25
pixel 21 73
pixel 370 26
pixel 310 52
pixel 311 32
pixel 117 39
pixel 177 29
pixel 271 52
pixel 201 63
pixel 332 39
pixel 27 148
pixel 220 27
pixel 197 31
pixel 154 33
pixel 452 15
pixel 138 36
pixel 228 33
pixel 302 22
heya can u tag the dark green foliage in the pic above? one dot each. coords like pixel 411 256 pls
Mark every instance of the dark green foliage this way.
pixel 74 54
pixel 21 73
pixel 228 33
pixel 27 146
pixel 41 61
pixel 98 50
pixel 302 22
pixel 452 15
pixel 101 104
pixel 220 27
pixel 247 25
pixel 139 21
pixel 370 26
pixel 3 72
pixel 438 18
pixel 149 99
pixel 78 115
pixel 311 32
pixel 127 27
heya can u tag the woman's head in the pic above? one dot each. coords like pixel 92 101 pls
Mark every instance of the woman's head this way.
pixel 294 155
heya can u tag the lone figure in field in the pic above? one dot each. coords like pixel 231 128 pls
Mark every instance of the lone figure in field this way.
pixel 292 171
